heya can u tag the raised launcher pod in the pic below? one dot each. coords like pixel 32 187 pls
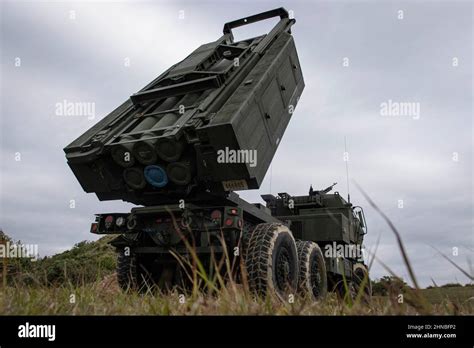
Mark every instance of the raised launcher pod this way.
pixel 208 125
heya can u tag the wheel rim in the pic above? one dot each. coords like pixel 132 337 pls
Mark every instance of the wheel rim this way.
pixel 283 271
pixel 353 290
pixel 360 275
pixel 315 277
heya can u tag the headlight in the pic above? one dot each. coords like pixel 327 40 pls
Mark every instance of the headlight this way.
pixel 108 221
pixel 120 221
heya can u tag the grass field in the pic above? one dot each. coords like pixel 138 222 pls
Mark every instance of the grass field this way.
pixel 457 295
pixel 82 281
pixel 105 298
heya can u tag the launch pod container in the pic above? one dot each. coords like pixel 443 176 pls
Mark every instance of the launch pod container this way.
pixel 228 99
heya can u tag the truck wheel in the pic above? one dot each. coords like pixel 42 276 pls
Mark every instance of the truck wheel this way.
pixel 127 271
pixel 362 279
pixel 245 238
pixel 272 261
pixel 312 277
pixel 132 274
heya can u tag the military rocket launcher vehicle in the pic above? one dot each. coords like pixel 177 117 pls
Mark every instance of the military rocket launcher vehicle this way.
pixel 208 126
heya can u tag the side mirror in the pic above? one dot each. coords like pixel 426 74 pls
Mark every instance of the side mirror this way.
pixel 359 213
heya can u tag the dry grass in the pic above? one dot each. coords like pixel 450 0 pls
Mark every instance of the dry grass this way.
pixel 105 298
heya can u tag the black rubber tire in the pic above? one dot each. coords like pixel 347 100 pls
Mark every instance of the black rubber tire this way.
pixel 271 261
pixel 246 233
pixel 127 271
pixel 312 276
pixel 361 278
pixel 136 275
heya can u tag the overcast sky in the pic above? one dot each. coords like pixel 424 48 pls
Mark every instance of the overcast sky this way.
pixel 422 55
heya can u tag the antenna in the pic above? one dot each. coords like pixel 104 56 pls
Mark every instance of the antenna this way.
pixel 271 177
pixel 346 157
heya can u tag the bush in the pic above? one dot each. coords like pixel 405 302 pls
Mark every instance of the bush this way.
pixel 85 263
pixel 388 285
